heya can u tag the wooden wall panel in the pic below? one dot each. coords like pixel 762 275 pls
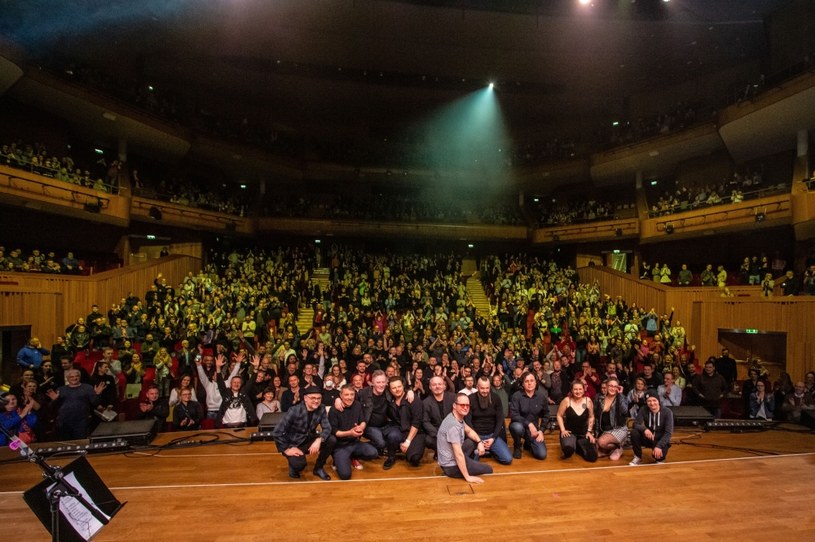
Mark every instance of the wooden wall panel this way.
pixel 795 316
pixel 196 250
pixel 26 296
pixel 40 310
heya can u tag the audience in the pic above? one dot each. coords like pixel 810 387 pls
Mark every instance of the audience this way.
pixel 408 316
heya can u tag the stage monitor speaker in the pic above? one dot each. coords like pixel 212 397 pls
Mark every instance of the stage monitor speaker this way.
pixel 269 421
pixel 808 419
pixel 691 415
pixel 135 432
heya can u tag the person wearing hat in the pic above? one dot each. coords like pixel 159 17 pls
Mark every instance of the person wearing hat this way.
pixel 296 435
pixel 652 429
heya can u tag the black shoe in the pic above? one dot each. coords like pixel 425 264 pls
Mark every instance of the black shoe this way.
pixel 389 462
pixel 293 473
pixel 321 474
pixel 414 462
pixel 517 453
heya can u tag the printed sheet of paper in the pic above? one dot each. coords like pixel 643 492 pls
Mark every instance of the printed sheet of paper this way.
pixel 75 512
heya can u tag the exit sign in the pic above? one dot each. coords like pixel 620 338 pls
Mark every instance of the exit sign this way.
pixel 751 331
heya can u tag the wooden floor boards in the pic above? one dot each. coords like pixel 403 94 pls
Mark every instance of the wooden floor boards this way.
pixel 715 486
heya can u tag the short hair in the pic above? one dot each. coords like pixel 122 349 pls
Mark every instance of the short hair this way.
pixel 525 374
pixel 378 372
pixel 348 387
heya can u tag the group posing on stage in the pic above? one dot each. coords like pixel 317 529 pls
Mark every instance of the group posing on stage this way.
pixel 462 428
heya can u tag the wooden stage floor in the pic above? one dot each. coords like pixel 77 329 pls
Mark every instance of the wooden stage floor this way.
pixel 715 486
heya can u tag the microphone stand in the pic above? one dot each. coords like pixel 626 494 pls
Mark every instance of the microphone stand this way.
pixel 60 486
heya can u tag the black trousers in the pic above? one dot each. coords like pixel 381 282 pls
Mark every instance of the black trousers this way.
pixel 638 442
pixel 298 463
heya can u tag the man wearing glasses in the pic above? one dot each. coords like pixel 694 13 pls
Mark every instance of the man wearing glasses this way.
pixel 297 436
pixel 451 435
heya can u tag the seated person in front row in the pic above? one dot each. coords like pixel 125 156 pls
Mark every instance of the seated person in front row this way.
pixel 20 422
pixel 762 404
pixel 652 429
pixel 236 407
pixel 347 426
pixel 296 435
pixel 154 407
pixel 187 414
pixel 796 402
pixel 452 433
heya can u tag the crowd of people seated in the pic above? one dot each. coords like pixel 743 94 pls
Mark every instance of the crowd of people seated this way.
pixel 34 157
pixel 223 348
pixel 109 177
pixel 561 211
pixel 39 262
pixel 230 199
pixel 734 190
pixel 679 117
pixel 405 208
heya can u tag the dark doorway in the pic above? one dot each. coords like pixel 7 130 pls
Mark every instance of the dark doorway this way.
pixel 746 344
pixel 12 338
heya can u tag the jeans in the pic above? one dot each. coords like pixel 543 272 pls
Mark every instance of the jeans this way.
pixel 499 450
pixel 343 453
pixel 374 434
pixel 519 431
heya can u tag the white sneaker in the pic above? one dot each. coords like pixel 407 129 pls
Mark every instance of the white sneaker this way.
pixel 356 464
pixel 636 461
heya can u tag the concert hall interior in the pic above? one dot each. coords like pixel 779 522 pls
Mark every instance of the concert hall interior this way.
pixel 469 263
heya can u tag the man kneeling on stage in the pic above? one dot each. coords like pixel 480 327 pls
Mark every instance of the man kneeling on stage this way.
pixel 296 435
pixel 347 427
pixel 653 429
pixel 451 435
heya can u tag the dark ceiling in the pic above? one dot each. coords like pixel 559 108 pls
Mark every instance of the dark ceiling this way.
pixel 370 66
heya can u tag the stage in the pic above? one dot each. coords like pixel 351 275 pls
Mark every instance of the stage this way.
pixel 715 485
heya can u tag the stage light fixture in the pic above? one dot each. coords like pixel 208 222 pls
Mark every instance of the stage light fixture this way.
pixel 760 217
pixel 669 228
